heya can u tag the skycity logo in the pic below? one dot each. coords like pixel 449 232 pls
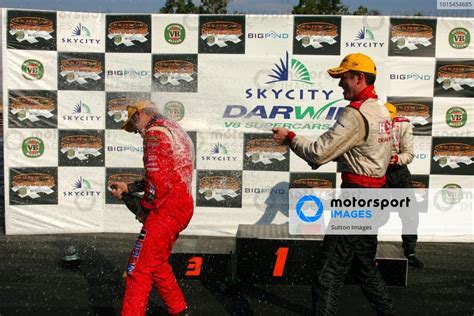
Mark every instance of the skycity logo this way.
pixel 81 187
pixel 365 34
pixel 218 152
pixel 280 85
pixel 80 35
pixel 81 30
pixel 219 149
pixel 281 72
pixel 81 108
pixel 365 38
pixel 82 112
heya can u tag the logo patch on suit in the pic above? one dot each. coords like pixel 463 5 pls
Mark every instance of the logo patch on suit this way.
pixel 136 251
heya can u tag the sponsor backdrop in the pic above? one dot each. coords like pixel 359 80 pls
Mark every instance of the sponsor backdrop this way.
pixel 227 80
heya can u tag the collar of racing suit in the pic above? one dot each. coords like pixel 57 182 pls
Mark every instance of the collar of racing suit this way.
pixel 367 93
pixel 153 119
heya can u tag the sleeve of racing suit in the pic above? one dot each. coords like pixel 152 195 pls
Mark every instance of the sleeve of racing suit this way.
pixel 405 156
pixel 348 131
pixel 158 161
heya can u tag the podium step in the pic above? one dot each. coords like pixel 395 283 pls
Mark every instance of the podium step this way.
pixel 268 254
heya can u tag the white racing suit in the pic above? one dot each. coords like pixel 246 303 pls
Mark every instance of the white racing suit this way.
pixel 399 177
pixel 361 141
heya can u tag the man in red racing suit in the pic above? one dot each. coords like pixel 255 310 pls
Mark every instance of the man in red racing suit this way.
pixel 168 205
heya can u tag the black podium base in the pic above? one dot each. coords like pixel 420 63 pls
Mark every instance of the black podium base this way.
pixel 267 254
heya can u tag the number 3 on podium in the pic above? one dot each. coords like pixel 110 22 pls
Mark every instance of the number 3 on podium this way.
pixel 280 261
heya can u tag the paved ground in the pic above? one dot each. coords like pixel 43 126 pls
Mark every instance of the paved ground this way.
pixel 33 282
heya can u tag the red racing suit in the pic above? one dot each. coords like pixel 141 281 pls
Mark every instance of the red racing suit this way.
pixel 168 160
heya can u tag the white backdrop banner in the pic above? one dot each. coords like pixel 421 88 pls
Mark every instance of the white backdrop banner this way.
pixel 227 80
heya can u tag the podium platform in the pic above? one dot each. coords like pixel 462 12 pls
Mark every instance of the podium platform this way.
pixel 268 254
